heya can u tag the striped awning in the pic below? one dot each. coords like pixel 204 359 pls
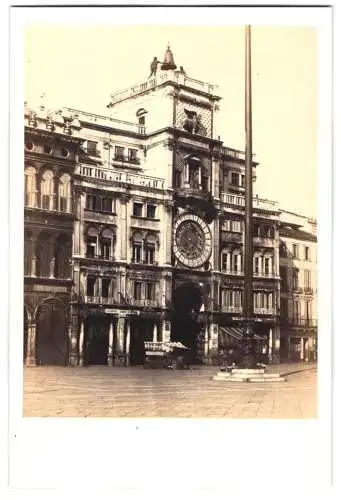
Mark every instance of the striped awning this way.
pixel 236 333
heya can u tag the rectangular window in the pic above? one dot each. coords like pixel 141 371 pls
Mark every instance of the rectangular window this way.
pixel 295 279
pixel 151 211
pixel 91 244
pixel 107 205
pixel 137 252
pixel 307 253
pixel 105 287
pixel 257 266
pixel 234 179
pixel 177 179
pixel 137 290
pixel 119 153
pixel 137 209
pixel 106 247
pixel 150 254
pixel 243 180
pixel 267 266
pixel 235 263
pixel 256 230
pixel 204 183
pixel 91 148
pixel 45 201
pixel 90 286
pixel 295 251
pixel 224 262
pixel 307 278
pixel 132 155
pixel 296 310
pixel 90 202
pixel 62 204
pixel 225 182
pixel 150 291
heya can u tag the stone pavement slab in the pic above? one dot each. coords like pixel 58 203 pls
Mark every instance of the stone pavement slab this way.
pixel 138 392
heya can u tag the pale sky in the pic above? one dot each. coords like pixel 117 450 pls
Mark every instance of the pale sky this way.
pixel 80 66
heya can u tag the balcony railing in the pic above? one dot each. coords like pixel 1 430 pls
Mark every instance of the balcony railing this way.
pixel 228 237
pixel 263 242
pixel 303 322
pixel 145 302
pixel 159 79
pixel 234 153
pixel 133 179
pixel 264 310
pixel 232 309
pixel 89 299
pixel 106 121
pixel 258 203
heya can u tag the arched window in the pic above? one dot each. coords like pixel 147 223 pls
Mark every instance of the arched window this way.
pixel 64 193
pixel 137 248
pixel 150 249
pixel 47 190
pixel 92 243
pixel 107 244
pixel 30 187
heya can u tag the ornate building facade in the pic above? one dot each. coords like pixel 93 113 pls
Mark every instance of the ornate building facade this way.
pixel 134 230
pixel 298 302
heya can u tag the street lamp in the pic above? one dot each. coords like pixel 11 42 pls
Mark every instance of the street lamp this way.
pixel 249 358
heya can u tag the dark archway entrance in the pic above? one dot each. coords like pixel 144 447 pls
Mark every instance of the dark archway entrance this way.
pixel 96 340
pixel 186 328
pixel 25 334
pixel 52 344
pixel 141 330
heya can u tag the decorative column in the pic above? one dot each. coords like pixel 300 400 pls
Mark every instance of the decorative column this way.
pixel 111 344
pixel 81 343
pixel 120 354
pixel 270 345
pixel 239 263
pixel 73 336
pixel 206 342
pixel 213 342
pixel 31 344
pixel 302 349
pixel 123 227
pixel 166 330
pixel 52 266
pixel 155 332
pixel 128 343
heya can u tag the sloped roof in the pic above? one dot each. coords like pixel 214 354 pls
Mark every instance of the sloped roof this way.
pixel 297 234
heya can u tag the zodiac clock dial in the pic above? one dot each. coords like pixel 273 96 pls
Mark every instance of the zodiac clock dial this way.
pixel 192 240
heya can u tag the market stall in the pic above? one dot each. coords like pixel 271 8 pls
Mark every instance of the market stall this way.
pixel 171 355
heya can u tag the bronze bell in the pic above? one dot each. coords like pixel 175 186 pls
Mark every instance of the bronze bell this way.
pixel 168 62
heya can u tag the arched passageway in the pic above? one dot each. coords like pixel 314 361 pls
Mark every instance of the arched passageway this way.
pixel 187 300
pixel 51 337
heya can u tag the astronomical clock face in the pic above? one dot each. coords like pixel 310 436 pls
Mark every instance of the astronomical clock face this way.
pixel 191 240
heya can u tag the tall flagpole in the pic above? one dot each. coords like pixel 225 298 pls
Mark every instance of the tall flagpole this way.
pixel 248 337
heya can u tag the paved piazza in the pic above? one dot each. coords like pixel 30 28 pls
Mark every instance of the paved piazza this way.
pixel 139 392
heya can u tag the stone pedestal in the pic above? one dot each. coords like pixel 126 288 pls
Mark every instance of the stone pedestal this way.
pixel 248 375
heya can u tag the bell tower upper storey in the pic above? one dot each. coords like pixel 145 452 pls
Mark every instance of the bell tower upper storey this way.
pixel 170 98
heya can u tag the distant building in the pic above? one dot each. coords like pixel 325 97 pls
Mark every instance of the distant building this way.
pixel 134 230
pixel 298 271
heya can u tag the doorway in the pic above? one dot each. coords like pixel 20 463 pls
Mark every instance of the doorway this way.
pixel 52 345
pixel 141 330
pixel 96 335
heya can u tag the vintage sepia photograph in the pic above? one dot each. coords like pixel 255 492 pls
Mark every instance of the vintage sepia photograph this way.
pixel 170 273
pixel 170 223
